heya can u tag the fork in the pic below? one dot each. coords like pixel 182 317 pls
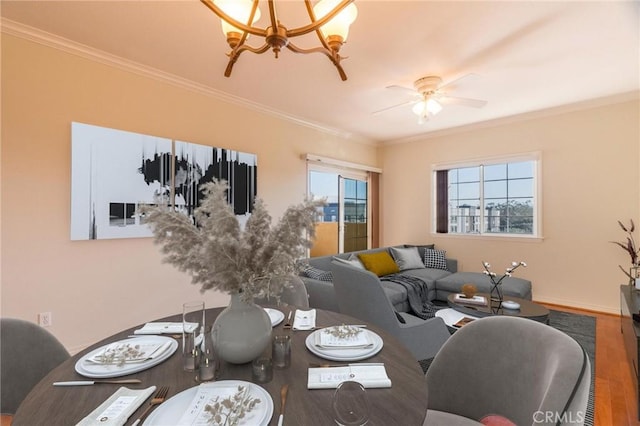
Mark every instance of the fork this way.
pixel 157 399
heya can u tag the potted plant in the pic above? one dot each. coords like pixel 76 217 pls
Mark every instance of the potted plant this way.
pixel 248 262
pixel 630 247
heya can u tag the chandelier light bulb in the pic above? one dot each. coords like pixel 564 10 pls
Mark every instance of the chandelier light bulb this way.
pixel 339 25
pixel 238 10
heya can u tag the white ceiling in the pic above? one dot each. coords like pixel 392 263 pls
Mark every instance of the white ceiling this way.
pixel 524 56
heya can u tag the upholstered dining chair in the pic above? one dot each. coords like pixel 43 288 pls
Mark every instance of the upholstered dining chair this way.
pixel 294 293
pixel 360 294
pixel 508 369
pixel 27 353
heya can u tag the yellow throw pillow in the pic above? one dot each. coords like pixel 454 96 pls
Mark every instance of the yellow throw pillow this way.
pixel 380 263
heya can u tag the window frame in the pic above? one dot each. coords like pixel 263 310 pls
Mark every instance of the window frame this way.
pixel 536 157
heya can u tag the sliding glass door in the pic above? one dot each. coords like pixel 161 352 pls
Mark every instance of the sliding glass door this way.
pixel 344 225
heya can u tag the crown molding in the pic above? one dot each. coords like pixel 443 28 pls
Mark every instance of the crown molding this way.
pixel 44 38
pixel 563 109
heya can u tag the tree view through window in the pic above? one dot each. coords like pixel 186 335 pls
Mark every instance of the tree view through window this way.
pixel 488 199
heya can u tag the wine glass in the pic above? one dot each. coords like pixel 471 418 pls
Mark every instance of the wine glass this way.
pixel 350 404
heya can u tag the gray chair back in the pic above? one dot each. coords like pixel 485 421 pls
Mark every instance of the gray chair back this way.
pixel 521 369
pixel 360 294
pixel 28 352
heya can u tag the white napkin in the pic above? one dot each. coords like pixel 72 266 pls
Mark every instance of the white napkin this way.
pixel 369 375
pixel 325 340
pixel 118 407
pixel 304 320
pixel 146 352
pixel 165 328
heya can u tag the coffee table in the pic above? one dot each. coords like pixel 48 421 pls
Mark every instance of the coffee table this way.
pixel 528 309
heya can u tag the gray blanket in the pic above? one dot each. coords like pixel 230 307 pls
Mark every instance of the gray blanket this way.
pixel 417 294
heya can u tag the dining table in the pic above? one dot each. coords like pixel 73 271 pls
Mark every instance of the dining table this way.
pixel 404 403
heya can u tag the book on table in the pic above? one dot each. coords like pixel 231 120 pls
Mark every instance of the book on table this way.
pixel 474 300
pixel 463 321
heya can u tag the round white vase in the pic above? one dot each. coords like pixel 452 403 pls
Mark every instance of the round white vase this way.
pixel 241 332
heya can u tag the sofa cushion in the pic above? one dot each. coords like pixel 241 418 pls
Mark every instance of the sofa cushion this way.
pixel 435 259
pixel 407 258
pixel 315 273
pixel 511 286
pixel 380 263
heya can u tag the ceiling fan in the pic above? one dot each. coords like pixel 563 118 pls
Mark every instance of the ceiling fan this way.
pixel 430 94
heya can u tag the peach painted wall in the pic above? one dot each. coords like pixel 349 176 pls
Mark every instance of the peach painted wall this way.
pixel 94 288
pixel 590 178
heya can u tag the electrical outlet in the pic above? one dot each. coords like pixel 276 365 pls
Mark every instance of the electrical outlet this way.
pixel 44 319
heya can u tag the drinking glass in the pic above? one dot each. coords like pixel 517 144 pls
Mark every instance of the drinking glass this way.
pixel 350 404
pixel 262 370
pixel 192 329
pixel 281 351
pixel 208 358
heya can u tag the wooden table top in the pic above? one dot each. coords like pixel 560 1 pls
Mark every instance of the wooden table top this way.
pixel 404 403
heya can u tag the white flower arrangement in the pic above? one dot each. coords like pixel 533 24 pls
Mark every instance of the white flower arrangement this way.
pixel 219 255
pixel 508 271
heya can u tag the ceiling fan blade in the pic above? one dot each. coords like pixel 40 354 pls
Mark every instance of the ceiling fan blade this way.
pixel 453 100
pixel 393 107
pixel 452 84
pixel 402 89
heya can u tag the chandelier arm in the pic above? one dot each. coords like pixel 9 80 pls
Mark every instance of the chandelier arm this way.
pixel 235 54
pixel 315 25
pixel 312 16
pixel 333 57
pixel 246 28
pixel 272 14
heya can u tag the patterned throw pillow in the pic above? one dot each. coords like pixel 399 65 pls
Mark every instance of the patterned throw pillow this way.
pixel 315 273
pixel 435 259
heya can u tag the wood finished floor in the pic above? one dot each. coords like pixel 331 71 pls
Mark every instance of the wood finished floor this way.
pixel 615 394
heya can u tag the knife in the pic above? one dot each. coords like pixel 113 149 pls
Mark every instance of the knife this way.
pixel 92 382
pixel 359 364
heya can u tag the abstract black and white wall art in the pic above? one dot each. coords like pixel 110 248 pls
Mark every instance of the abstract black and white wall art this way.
pixel 197 164
pixel 113 172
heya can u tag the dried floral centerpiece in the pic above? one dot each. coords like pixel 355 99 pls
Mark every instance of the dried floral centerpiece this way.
pixel 248 263
pixel 496 290
pixel 219 255
pixel 630 247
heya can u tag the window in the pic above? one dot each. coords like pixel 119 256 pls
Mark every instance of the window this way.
pixel 491 198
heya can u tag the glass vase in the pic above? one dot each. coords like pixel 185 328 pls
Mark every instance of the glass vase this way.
pixel 241 332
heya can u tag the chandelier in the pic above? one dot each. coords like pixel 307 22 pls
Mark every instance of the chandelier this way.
pixel 238 17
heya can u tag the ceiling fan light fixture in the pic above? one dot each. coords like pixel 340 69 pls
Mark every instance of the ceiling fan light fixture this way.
pixel 330 20
pixel 427 107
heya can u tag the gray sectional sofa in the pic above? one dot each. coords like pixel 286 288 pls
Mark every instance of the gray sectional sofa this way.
pixel 441 280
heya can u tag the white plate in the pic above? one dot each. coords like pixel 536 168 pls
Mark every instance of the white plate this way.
pixel 170 412
pixel 99 371
pixel 275 316
pixel 345 354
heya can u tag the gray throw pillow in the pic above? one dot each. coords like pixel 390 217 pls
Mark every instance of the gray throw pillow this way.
pixel 352 261
pixel 407 258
